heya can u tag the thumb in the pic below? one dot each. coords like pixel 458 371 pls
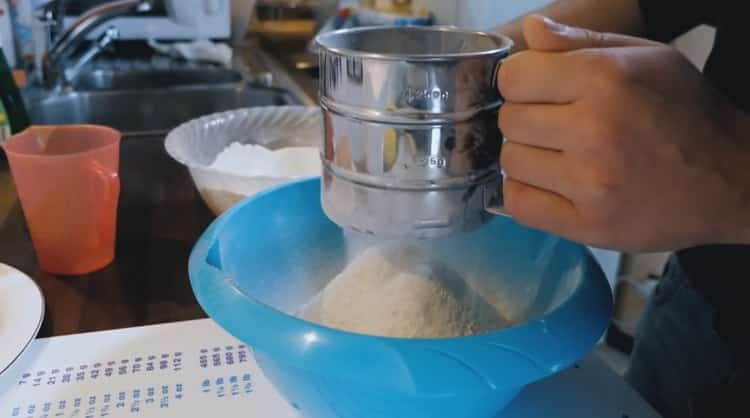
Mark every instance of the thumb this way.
pixel 544 34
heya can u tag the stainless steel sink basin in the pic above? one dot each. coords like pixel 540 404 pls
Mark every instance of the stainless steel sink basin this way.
pixel 151 79
pixel 151 111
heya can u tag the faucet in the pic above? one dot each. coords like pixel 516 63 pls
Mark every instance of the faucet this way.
pixel 59 67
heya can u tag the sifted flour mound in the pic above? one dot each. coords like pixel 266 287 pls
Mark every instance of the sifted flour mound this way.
pixel 396 292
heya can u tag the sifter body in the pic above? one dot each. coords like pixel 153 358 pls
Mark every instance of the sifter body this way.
pixel 410 118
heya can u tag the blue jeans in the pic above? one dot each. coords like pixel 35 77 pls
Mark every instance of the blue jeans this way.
pixel 679 364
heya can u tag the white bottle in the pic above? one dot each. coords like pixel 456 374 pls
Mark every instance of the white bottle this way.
pixel 6 33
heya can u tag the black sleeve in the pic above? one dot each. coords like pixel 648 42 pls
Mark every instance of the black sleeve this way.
pixel 667 19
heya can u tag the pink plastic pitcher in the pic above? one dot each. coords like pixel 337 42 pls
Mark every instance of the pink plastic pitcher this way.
pixel 67 181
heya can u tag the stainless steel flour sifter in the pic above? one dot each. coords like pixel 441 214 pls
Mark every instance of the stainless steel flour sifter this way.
pixel 410 119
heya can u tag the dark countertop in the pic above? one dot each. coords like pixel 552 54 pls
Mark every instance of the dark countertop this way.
pixel 160 217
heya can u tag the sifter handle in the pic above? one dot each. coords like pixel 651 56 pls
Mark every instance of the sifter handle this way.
pixel 497 210
pixel 493 203
pixel 493 199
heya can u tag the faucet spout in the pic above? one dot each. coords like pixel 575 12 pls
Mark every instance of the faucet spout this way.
pixel 105 40
pixel 70 38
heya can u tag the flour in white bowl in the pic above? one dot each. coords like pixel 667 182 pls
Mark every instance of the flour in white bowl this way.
pixel 249 160
pixel 395 291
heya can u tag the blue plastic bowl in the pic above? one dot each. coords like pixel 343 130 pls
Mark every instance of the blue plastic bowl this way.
pixel 267 255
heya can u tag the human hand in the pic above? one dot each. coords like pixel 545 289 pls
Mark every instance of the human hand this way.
pixel 619 142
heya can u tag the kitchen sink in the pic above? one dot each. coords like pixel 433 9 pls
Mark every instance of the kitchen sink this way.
pixel 151 111
pixel 151 79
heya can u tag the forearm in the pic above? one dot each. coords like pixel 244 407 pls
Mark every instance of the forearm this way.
pixel 619 16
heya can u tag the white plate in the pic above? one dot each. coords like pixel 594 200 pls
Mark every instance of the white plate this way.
pixel 21 314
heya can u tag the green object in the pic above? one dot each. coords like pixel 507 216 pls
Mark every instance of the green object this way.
pixel 15 109
pixel 4 125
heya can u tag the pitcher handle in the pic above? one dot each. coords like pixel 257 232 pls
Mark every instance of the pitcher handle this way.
pixel 109 182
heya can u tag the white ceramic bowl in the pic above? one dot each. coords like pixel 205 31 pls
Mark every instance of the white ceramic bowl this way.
pixel 197 143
